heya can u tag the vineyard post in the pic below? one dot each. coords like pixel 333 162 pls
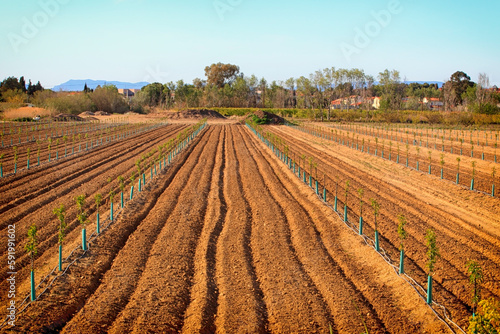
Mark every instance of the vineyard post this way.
pixel 402 236
pixel 60 214
pixel 57 149
pixel 376 209
pixel 432 255
pixel 82 218
pixel 475 279
pixel 473 174
pixel 361 193
pixel 458 169
pixel 345 203
pixel 31 248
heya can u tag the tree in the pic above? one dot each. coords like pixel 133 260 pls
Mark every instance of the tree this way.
pixel 456 87
pixel 475 279
pixel 487 319
pixel 221 74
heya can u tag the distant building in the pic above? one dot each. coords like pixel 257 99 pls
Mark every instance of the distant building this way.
pixel 128 92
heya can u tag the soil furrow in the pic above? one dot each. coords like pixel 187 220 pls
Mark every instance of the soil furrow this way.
pixel 160 300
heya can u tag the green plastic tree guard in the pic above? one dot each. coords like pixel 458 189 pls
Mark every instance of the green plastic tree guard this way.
pixel 111 212
pixel 377 246
pixel 345 213
pixel 472 184
pixel 401 262
pixel 33 293
pixel 60 257
pixel 335 204
pixel 458 177
pixel 98 224
pixel 429 290
pixel 492 190
pixel 360 225
pixel 84 239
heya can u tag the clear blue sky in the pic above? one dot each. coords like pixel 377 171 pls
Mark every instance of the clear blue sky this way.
pixel 152 40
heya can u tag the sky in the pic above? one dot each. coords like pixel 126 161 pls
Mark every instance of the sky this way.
pixel 53 41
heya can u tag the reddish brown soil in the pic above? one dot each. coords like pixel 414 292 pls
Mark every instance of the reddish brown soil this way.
pixel 466 222
pixel 226 240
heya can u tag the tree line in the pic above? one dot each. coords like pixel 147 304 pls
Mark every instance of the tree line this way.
pixel 225 86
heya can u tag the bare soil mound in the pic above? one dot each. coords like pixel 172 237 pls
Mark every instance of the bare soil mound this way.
pixel 195 114
pixel 272 118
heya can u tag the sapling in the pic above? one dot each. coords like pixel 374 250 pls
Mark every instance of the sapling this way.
pixel 442 164
pixel 60 213
pixel 57 148
pixel 432 256
pixel 475 279
pixel 31 248
pixel 376 209
pixel 111 197
pixel 82 218
pixel 49 146
pixel 38 152
pixel 15 159
pixel 121 181
pixel 361 193
pixel 98 200
pixel 28 153
pixel 347 183
pixel 473 174
pixel 493 173
pixel 402 236
pixel 418 154
pixel 430 160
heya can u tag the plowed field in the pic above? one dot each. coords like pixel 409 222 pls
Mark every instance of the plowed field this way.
pixel 228 239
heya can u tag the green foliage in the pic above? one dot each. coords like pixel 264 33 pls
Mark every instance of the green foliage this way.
pixel 98 200
pixel 487 319
pixel 475 279
pixel 60 213
pixel 260 121
pixel 376 209
pixel 432 250
pixel 121 181
pixel 402 230
pixel 81 215
pixel 32 243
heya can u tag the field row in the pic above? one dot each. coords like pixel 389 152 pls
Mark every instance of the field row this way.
pixel 227 239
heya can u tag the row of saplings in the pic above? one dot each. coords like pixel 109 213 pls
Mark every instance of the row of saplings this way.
pixel 485 319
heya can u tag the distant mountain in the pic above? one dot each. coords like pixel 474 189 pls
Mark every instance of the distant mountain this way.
pixel 77 85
